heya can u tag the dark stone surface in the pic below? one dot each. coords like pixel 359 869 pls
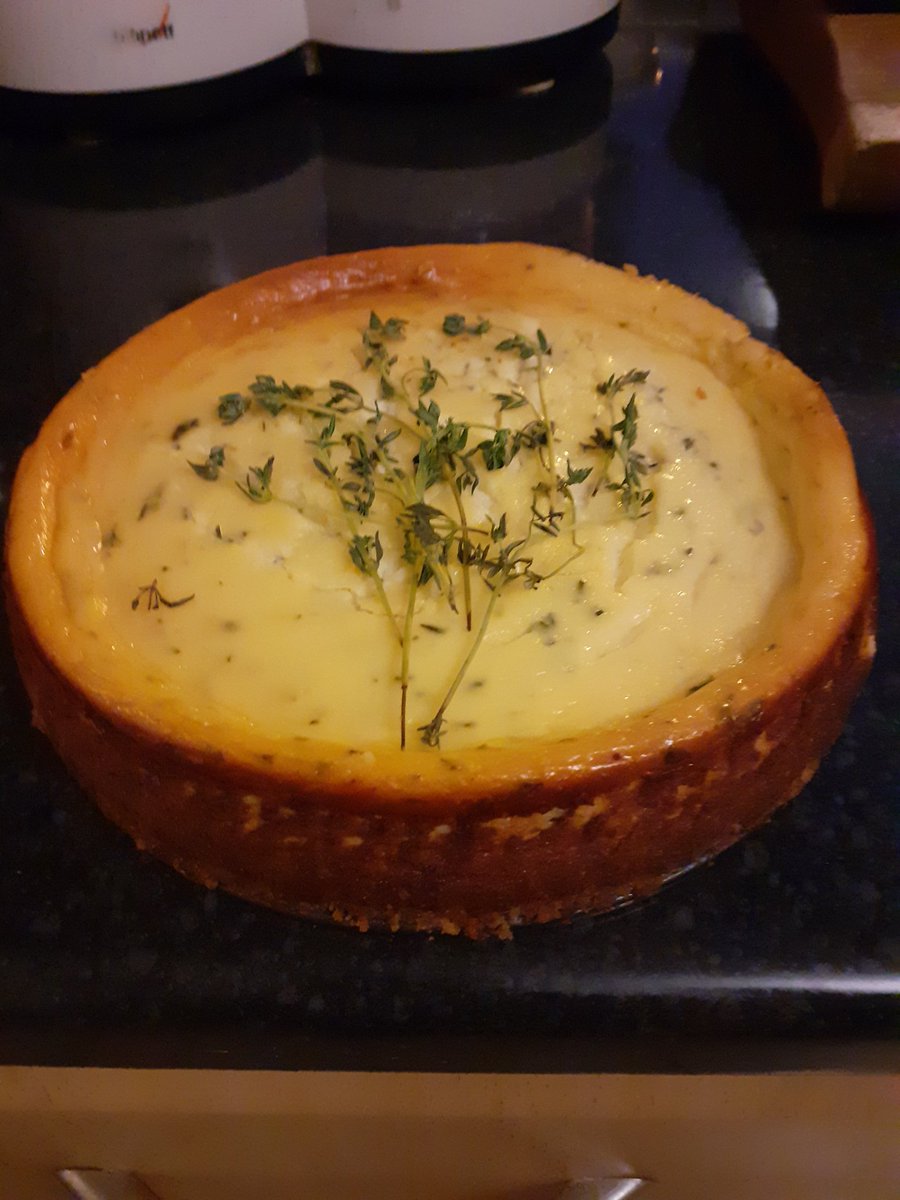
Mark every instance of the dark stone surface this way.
pixel 685 160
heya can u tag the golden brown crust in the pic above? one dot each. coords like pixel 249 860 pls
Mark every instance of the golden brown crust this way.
pixel 481 839
pixel 584 844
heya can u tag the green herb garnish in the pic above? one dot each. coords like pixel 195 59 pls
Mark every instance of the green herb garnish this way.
pixel 524 346
pixel 402 472
pixel 510 400
pixel 258 481
pixel 455 323
pixel 209 470
pixel 376 352
pixel 618 444
pixel 232 407
pixel 617 383
pixel 274 397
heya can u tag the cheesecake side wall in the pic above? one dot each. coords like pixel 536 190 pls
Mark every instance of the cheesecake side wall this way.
pixel 571 843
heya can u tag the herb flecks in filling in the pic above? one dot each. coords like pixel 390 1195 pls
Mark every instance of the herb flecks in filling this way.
pixel 403 474
pixel 153 598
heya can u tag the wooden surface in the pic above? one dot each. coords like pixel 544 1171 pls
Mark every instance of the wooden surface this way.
pixel 844 73
pixel 355 1136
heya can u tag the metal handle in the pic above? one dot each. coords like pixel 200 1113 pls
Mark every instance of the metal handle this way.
pixel 89 1183
pixel 602 1189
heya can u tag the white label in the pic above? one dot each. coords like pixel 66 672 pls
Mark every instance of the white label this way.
pixel 124 45
pixel 422 25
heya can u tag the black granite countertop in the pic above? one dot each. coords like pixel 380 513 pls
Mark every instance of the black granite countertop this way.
pixel 675 151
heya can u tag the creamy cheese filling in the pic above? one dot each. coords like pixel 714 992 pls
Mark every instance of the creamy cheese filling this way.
pixel 231 589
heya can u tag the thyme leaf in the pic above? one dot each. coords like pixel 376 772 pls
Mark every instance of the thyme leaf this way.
pixel 455 323
pixel 544 516
pixel 573 475
pixel 275 397
pixel 510 400
pixel 429 378
pixel 618 383
pixel 523 346
pixel 377 354
pixel 232 407
pixel 209 470
pixel 366 553
pixel 258 481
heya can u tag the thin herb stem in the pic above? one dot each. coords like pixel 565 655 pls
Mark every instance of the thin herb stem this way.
pixel 551 454
pixel 435 457
pixel 354 528
pixel 405 640
pixel 464 536
pixel 432 731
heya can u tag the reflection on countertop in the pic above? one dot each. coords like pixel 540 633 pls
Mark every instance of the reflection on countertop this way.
pixel 675 150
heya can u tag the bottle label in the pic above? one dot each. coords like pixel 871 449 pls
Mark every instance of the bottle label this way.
pixel 423 25
pixel 125 45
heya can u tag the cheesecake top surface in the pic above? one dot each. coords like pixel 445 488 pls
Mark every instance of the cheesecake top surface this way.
pixel 276 535
pixel 494 498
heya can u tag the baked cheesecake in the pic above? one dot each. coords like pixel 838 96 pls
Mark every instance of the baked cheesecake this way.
pixel 441 588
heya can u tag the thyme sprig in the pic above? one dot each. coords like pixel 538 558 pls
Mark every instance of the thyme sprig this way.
pixel 618 383
pixel 402 472
pixel 508 562
pixel 619 444
pixel 355 496
pixel 377 354
pixel 545 517
pixel 269 395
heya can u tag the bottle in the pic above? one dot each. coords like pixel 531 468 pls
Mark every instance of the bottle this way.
pixel 70 66
pixel 468 46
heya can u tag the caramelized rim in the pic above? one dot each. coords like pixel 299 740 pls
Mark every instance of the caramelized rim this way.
pixel 804 445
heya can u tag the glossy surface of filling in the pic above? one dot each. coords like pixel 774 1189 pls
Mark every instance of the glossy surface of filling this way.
pixel 608 503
